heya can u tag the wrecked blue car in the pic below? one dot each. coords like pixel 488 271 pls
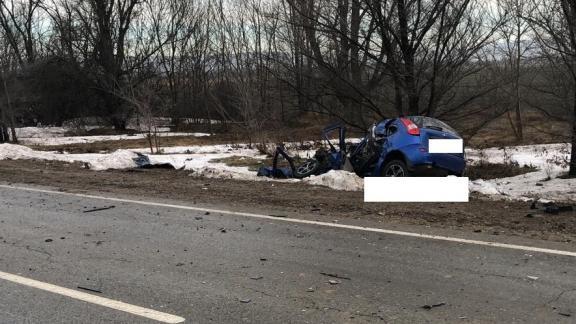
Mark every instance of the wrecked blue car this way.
pixel 397 147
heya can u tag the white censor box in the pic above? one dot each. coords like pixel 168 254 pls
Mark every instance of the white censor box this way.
pixel 446 145
pixel 416 189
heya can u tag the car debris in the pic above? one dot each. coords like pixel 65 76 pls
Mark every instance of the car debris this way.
pixel 396 147
pixel 334 275
pixel 429 307
pixel 143 162
pixel 90 289
pixel 550 207
pixel 99 209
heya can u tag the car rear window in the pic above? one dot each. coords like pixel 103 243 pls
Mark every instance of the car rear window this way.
pixel 432 123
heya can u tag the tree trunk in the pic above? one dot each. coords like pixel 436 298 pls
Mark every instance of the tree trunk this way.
pixel 398 98
pixel 119 123
pixel 411 90
pixel 4 137
pixel 572 172
pixel 3 129
pixel 13 130
pixel 10 118
pixel 519 126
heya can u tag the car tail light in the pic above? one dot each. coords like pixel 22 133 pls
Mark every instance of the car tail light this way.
pixel 410 126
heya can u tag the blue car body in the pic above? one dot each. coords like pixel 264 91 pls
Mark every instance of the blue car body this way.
pixel 406 140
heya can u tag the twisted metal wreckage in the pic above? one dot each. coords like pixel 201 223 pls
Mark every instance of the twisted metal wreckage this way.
pixel 324 160
pixel 396 147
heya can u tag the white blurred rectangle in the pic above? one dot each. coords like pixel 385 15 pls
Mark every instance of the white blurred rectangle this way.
pixel 445 145
pixel 416 189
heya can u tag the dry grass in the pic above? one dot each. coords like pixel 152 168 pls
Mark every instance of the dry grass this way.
pixel 109 146
pixel 538 129
pixel 253 164
pixel 242 161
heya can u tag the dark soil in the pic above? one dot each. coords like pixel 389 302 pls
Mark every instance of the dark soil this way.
pixel 489 171
pixel 494 217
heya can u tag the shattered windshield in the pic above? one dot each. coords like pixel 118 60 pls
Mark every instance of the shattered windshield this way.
pixel 432 123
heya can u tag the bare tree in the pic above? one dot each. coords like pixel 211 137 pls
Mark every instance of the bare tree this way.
pixel 106 25
pixel 18 21
pixel 554 23
pixel 514 44
pixel 410 54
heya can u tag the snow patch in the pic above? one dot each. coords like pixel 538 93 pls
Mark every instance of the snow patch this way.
pixel 120 159
pixel 551 160
pixel 483 187
pixel 337 179
pixel 65 140
pixel 40 132
pixel 19 152
pixel 222 172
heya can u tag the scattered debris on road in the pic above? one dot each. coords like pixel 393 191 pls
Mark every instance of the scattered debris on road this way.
pixel 334 282
pixel 90 289
pixel 335 275
pixel 429 307
pixel 245 300
pixel 99 209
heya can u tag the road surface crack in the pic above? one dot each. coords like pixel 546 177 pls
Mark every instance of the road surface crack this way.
pixel 560 295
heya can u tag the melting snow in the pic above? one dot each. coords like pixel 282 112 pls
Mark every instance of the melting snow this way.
pixel 57 136
pixel 120 159
pixel 551 161
pixel 337 179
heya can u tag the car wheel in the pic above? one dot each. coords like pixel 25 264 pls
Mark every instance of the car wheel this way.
pixel 396 168
pixel 306 169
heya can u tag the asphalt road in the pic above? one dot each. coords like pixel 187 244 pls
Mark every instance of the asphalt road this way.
pixel 231 269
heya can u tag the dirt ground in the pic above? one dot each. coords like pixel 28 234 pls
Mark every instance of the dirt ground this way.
pixel 109 146
pixel 479 215
pixel 499 133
